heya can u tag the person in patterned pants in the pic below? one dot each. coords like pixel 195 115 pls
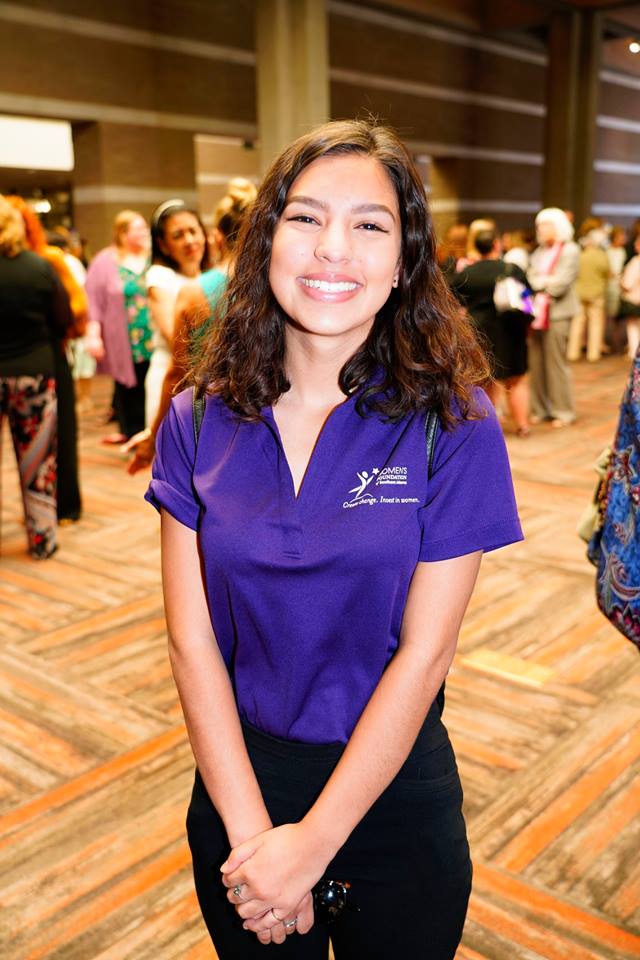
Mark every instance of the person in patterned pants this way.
pixel 35 315
pixel 31 408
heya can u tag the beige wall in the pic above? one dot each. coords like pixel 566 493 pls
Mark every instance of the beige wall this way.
pixel 217 160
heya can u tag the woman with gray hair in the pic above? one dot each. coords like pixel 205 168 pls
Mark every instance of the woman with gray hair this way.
pixel 552 276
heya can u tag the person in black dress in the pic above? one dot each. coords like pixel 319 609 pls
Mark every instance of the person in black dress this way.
pixel 503 334
pixel 35 315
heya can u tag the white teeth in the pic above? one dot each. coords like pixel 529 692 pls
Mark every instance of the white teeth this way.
pixel 327 287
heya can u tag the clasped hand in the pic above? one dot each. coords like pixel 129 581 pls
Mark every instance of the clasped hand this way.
pixel 275 871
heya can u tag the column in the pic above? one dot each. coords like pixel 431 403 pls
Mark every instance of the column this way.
pixel 122 166
pixel 589 88
pixel 292 71
pixel 574 48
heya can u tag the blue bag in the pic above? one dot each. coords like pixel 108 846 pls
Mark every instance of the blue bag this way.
pixel 614 547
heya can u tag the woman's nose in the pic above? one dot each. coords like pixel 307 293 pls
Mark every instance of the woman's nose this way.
pixel 334 244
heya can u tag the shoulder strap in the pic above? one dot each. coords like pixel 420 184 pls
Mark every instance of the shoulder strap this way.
pixel 197 404
pixel 556 257
pixel 431 425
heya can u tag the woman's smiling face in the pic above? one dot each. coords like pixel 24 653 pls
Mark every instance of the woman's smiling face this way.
pixel 336 248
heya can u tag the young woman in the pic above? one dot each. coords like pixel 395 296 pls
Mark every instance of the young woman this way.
pixel 315 578
pixel 120 323
pixel 196 305
pixel 69 499
pixel 35 317
pixel 179 253
pixel 504 334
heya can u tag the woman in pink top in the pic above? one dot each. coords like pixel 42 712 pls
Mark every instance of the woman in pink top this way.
pixel 123 262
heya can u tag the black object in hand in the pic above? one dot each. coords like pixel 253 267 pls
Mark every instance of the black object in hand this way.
pixel 330 899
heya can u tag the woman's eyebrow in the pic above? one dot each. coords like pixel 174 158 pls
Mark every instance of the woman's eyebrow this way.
pixel 309 202
pixel 373 208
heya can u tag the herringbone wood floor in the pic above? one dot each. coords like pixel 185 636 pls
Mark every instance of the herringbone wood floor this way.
pixel 543 706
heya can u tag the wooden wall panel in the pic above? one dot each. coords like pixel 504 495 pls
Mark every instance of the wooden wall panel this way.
pixel 227 22
pixel 205 88
pixel 42 62
pixel 618 101
pixel 135 156
pixel 507 131
pixel 404 55
pixel 398 54
pixel 48 63
pixel 416 118
pixel 509 77
pixel 490 179
pixel 620 145
pixel 616 188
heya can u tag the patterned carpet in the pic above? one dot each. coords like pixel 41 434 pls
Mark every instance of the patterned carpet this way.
pixel 543 705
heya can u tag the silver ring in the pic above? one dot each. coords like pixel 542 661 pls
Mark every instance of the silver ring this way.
pixel 236 892
pixel 288 924
pixel 272 911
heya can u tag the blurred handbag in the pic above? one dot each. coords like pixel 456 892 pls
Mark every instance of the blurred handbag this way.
pixel 512 295
pixel 541 311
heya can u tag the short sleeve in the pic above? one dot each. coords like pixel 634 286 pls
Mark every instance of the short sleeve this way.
pixel 172 486
pixel 470 499
pixel 164 278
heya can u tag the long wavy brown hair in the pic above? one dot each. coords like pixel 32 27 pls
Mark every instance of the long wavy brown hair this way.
pixel 421 351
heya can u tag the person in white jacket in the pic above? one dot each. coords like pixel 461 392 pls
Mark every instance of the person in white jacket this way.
pixel 553 271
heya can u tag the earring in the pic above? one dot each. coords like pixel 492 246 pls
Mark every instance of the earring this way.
pixel 395 282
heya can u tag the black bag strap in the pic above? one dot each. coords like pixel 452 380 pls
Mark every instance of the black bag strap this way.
pixel 431 424
pixel 198 402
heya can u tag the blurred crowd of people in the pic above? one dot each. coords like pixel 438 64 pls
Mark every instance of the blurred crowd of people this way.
pixel 134 313
pixel 138 310
pixel 578 296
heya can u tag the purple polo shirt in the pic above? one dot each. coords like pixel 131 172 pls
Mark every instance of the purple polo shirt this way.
pixel 307 594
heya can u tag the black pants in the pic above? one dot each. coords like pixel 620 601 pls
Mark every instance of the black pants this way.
pixel 128 402
pixel 69 500
pixel 407 861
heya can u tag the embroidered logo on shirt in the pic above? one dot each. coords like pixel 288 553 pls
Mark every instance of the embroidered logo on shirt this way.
pixel 365 479
pixel 370 480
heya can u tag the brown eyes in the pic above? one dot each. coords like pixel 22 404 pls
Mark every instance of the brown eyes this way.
pixel 368 227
